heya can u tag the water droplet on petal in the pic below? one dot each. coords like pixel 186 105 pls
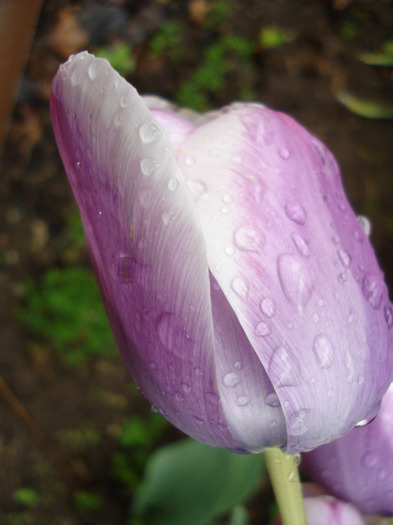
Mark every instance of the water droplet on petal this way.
pixel 227 198
pixel 237 365
pixel 123 102
pixel 364 422
pixel 388 314
pixel 373 288
pixel 199 372
pixel 295 279
pixel 149 166
pixel 118 119
pixel 189 160
pixel 229 250
pixel 240 286
pixel 78 165
pixel 230 380
pixel 262 329
pixel 272 400
pixel 242 401
pixel 365 223
pixel 323 351
pixel 295 212
pixel 93 70
pixel 173 184
pixel 345 257
pixel 268 307
pixel 149 132
pixel 301 245
pixel 248 239
pixel 198 189
pixel 284 153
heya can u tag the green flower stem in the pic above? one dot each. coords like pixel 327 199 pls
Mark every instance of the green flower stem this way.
pixel 284 477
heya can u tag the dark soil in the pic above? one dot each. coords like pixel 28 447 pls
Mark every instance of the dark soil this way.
pixel 301 77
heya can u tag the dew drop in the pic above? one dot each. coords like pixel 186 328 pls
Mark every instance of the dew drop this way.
pixel 173 184
pixel 268 307
pixel 229 250
pixel 199 372
pixel 227 198
pixel 75 77
pixel 388 314
pixel 237 365
pixel 365 223
pixel 118 119
pixel 284 153
pixel 124 102
pixel 149 166
pixel 225 210
pixel 242 401
pixel 167 217
pixel 345 257
pixel 149 132
pixel 295 212
pixel 315 318
pixel 249 240
pixel 301 245
pixel 78 165
pixel 93 70
pixel 199 420
pixel 189 160
pixel 230 380
pixel 296 281
pixel 240 286
pixel 262 329
pixel 179 397
pixel 198 189
pixel 373 289
pixel 323 351
pixel 272 400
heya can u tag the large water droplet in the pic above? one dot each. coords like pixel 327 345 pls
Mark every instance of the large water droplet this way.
pixel 345 257
pixel 149 166
pixel 149 132
pixel 242 401
pixel 295 212
pixel 295 279
pixel 230 380
pixel 268 307
pixel 301 245
pixel 323 351
pixel 373 288
pixel 248 239
pixel 281 368
pixel 262 329
pixel 198 189
pixel 240 286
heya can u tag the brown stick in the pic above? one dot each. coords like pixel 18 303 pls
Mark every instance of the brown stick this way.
pixel 18 19
pixel 74 477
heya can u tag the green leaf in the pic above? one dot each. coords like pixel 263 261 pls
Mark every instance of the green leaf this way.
pixel 365 108
pixel 189 483
pixel 26 496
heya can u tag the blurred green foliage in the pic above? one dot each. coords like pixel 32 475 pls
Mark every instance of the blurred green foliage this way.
pixel 119 56
pixel 226 55
pixel 25 496
pixel 167 41
pixel 85 501
pixel 65 309
pixel 136 441
pixel 270 37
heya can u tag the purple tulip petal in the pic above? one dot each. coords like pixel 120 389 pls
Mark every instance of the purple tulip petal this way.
pixel 359 467
pixel 295 265
pixel 149 256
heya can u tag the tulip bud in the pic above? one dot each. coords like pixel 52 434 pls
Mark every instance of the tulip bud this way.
pixel 244 295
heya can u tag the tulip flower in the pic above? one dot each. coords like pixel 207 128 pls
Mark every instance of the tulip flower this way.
pixel 359 467
pixel 243 293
